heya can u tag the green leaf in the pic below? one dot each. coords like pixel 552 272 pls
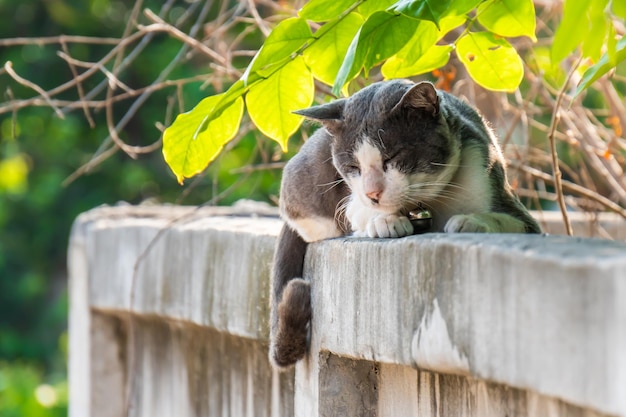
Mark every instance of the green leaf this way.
pixel 434 10
pixel 571 31
pixel 492 62
pixel 326 54
pixel 611 44
pixel 435 57
pixel 270 102
pixel 461 7
pixel 449 23
pixel 382 35
pixel 619 8
pixel 584 24
pixel 602 67
pixel 324 10
pixel 368 8
pixel 197 137
pixel 508 18
pixel 400 64
pixel 287 38
pixel 598 27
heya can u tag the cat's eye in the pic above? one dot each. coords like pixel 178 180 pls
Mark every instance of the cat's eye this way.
pixel 352 169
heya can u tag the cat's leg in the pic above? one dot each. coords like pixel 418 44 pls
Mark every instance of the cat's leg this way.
pixel 367 222
pixel 485 223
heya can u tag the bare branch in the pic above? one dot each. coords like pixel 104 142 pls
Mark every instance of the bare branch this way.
pixel 8 67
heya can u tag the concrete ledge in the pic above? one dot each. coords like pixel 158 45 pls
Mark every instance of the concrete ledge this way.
pixel 470 325
pixel 532 312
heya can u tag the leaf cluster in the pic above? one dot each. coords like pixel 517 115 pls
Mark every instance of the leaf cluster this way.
pixel 404 37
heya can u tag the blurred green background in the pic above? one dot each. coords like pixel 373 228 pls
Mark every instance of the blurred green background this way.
pixel 39 151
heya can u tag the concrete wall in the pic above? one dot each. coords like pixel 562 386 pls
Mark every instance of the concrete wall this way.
pixel 169 309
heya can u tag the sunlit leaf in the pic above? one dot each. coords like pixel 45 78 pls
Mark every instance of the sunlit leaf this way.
pixel 288 37
pixel 598 28
pixel 619 8
pixel 423 38
pixel 611 45
pixel 270 102
pixel 197 137
pixel 571 31
pixel 14 174
pixel 381 36
pixel 602 67
pixel 326 54
pixel 449 23
pixel 435 57
pixel 508 18
pixel 324 10
pixel 368 8
pixel 433 10
pixel 492 62
pixel 461 7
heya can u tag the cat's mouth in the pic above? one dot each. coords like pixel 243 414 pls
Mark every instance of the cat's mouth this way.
pixel 399 209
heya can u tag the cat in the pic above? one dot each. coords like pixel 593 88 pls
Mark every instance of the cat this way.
pixel 390 148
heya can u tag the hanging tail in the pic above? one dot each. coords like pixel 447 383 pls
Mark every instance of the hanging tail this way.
pixel 290 301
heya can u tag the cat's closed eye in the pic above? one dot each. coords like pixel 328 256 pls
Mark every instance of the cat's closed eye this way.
pixel 352 168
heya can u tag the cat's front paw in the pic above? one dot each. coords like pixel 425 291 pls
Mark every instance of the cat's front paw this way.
pixel 466 223
pixel 389 225
pixel 289 343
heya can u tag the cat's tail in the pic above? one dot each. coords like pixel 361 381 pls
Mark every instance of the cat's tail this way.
pixel 290 301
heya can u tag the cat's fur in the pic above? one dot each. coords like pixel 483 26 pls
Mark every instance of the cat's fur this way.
pixel 392 147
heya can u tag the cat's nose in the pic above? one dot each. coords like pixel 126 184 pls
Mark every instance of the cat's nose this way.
pixel 374 196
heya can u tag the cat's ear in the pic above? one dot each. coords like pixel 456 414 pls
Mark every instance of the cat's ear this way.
pixel 330 114
pixel 421 96
pixel 328 111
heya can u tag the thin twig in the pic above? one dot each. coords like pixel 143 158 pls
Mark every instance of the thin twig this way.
pixel 175 32
pixel 556 171
pixel 79 88
pixel 572 187
pixel 98 104
pixel 8 66
pixel 51 40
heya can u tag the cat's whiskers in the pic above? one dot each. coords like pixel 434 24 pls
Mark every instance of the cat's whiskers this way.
pixel 340 210
pixel 428 193
pixel 331 185
pixel 440 184
pixel 443 164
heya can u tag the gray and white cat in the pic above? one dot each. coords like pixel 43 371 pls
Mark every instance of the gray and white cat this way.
pixel 389 149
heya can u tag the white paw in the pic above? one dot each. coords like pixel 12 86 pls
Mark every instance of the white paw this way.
pixel 389 225
pixel 466 223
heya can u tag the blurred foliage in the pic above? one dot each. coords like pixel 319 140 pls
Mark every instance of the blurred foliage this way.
pixel 39 151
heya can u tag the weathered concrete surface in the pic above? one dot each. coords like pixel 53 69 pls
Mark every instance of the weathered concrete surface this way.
pixel 536 312
pixel 521 325
pixel 195 342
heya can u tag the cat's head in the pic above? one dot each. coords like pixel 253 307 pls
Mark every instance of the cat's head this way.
pixel 391 144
